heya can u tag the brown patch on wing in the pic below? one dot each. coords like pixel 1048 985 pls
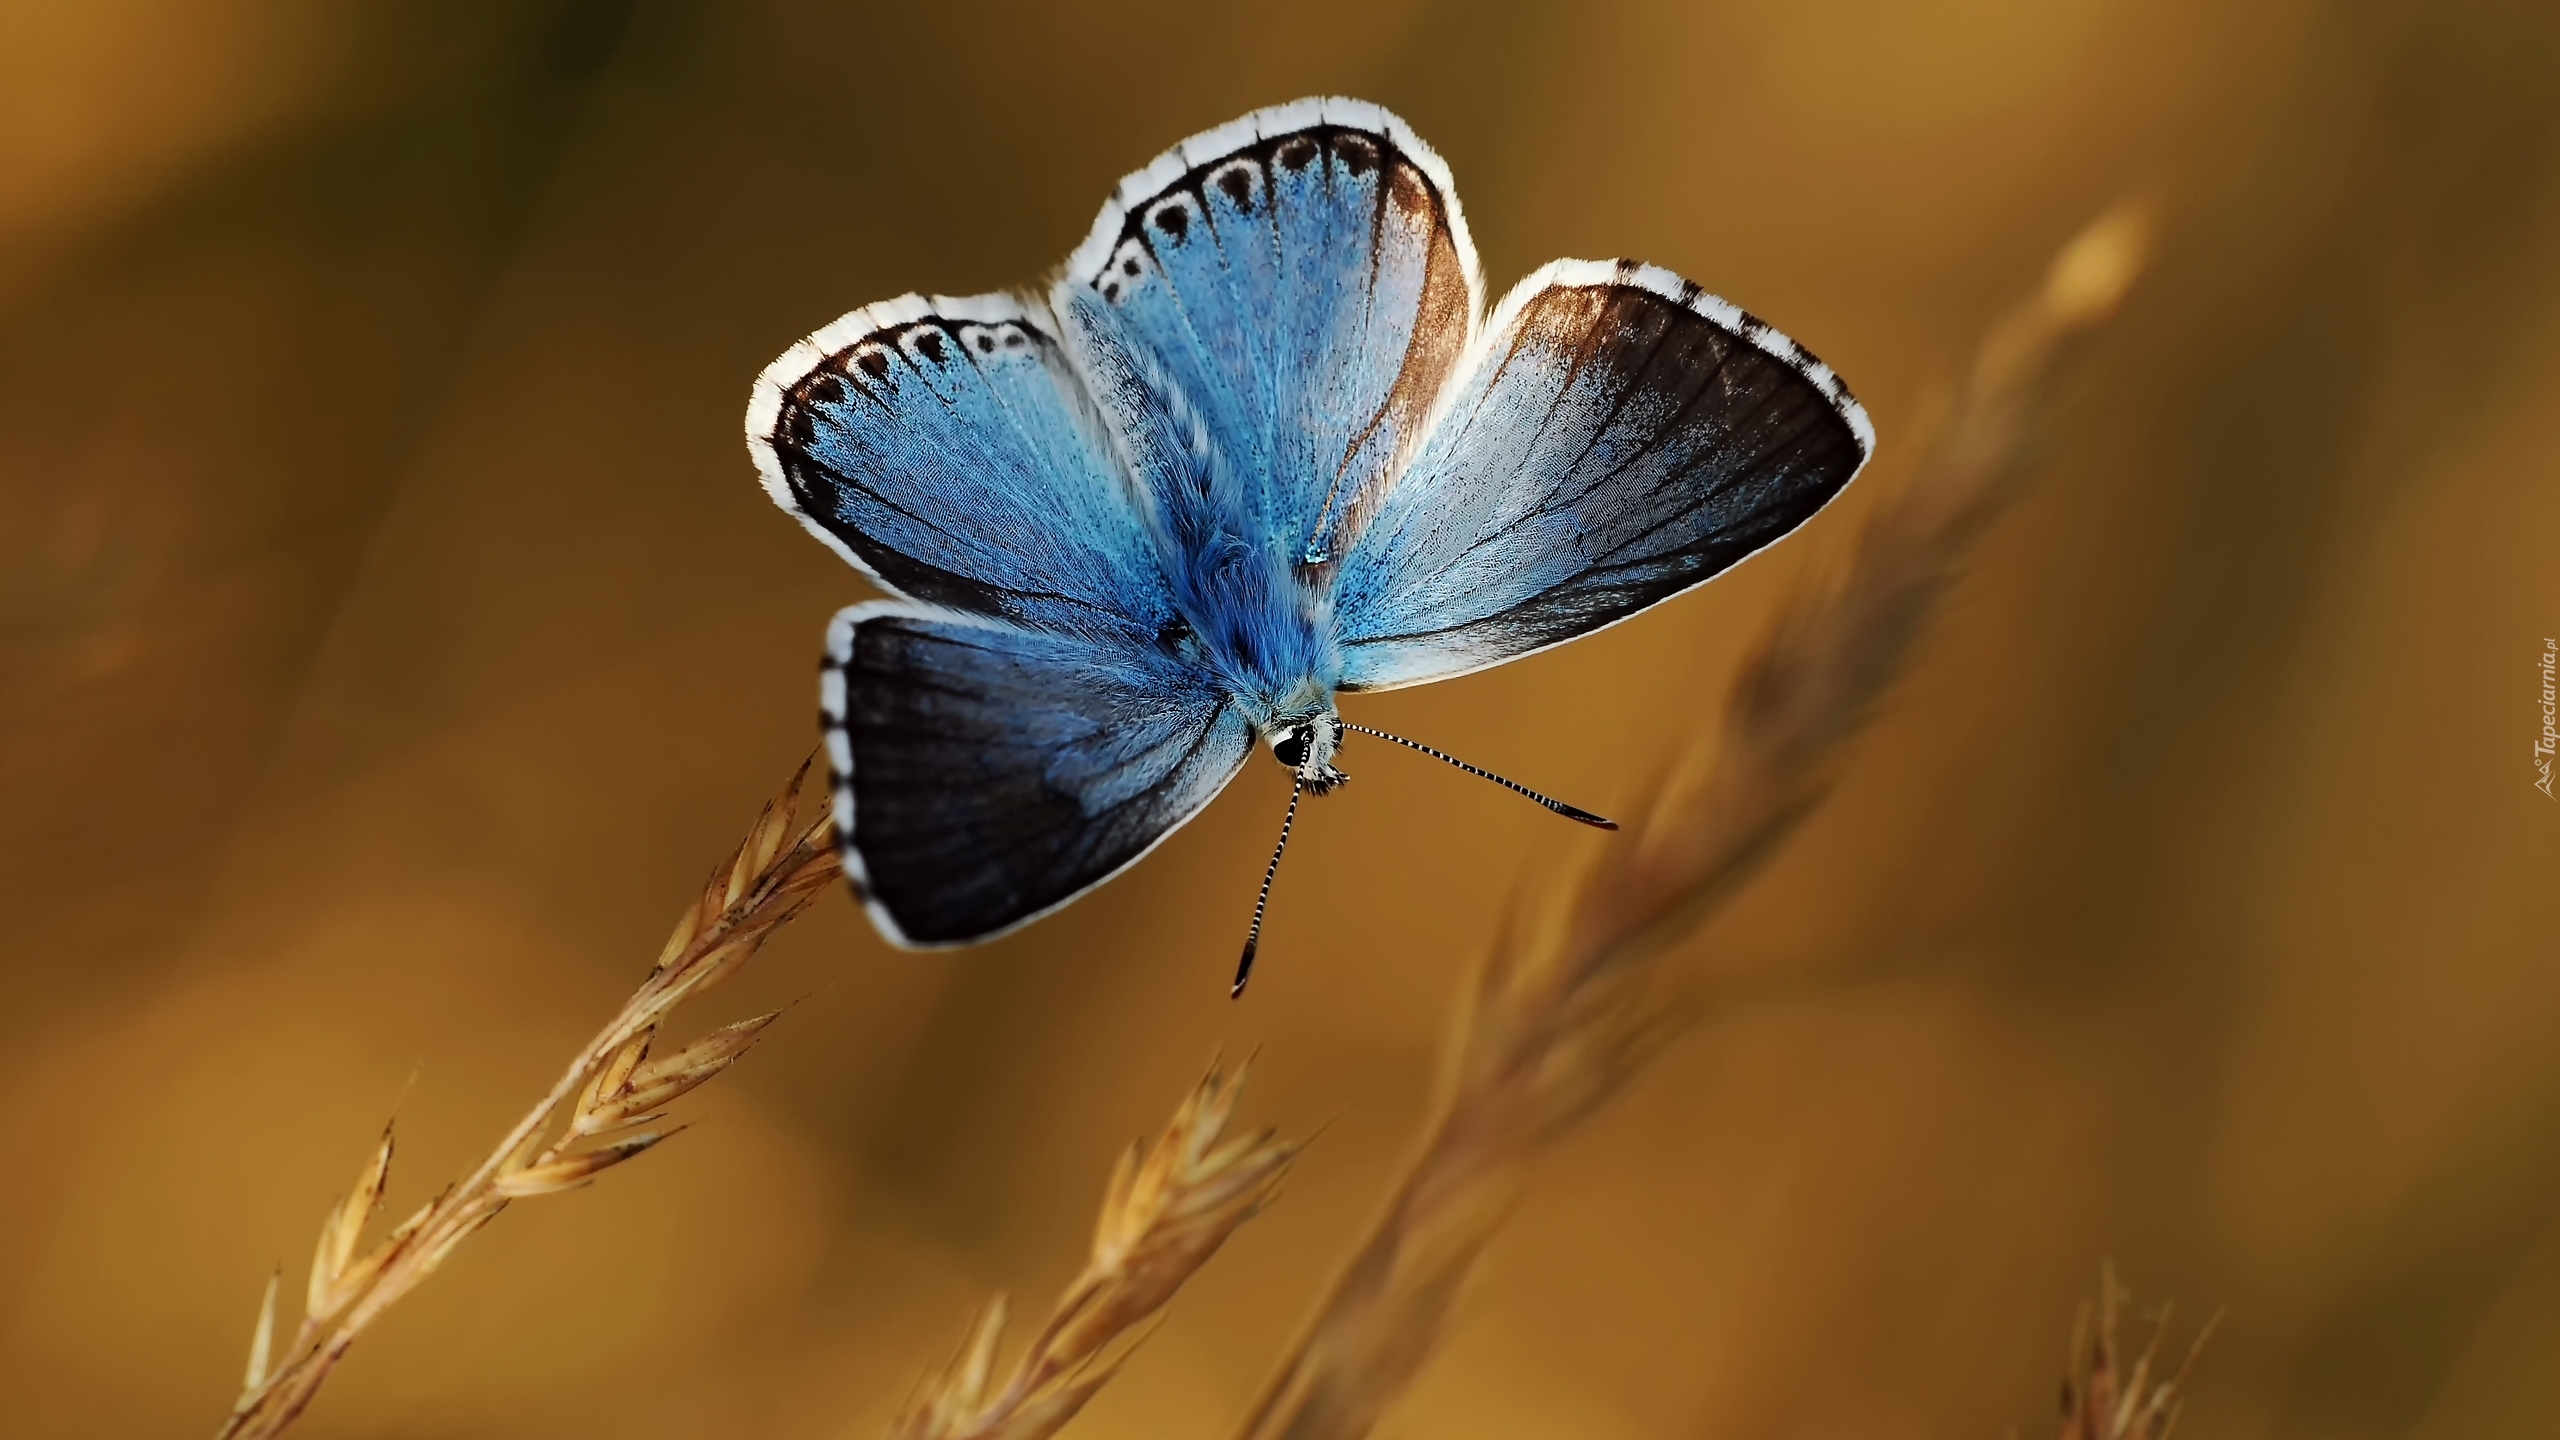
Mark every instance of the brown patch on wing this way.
pixel 1439 339
pixel 1411 194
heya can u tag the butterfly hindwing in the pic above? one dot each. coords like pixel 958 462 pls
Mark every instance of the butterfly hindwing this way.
pixel 1304 279
pixel 1618 438
pixel 987 774
pixel 946 447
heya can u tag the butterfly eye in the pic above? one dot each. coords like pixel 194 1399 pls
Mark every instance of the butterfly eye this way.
pixel 1291 749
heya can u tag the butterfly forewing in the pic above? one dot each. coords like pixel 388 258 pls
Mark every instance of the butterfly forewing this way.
pixel 1620 438
pixel 1303 280
pixel 946 447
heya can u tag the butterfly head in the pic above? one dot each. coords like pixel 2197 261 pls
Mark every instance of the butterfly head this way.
pixel 1306 744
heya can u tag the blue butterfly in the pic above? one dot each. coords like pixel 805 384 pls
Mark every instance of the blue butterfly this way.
pixel 1254 449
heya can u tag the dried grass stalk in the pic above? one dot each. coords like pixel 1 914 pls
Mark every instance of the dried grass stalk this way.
pixel 2101 1401
pixel 1571 1003
pixel 1170 1206
pixel 575 1133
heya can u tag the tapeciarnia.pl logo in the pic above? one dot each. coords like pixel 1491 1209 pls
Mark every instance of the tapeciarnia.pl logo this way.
pixel 2550 738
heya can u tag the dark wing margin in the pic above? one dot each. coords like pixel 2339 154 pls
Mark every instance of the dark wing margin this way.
pixel 986 775
pixel 1619 437
pixel 1303 277
pixel 944 446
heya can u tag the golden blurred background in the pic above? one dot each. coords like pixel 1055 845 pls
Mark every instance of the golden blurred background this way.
pixel 395 635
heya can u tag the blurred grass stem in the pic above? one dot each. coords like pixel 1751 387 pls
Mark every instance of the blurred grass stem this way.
pixel 1571 1003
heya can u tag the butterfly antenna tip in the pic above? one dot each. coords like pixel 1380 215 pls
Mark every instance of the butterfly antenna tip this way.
pixel 1570 812
pixel 1261 902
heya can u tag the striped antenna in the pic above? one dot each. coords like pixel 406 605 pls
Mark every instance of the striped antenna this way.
pixel 1567 811
pixel 1253 937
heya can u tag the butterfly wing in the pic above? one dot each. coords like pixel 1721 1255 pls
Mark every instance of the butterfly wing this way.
pixel 1617 438
pixel 987 774
pixel 945 447
pixel 1302 278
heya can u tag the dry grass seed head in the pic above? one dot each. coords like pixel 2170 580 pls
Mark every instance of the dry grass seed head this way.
pixel 327 1288
pixel 2101 1402
pixel 611 1086
pixel 1169 1207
